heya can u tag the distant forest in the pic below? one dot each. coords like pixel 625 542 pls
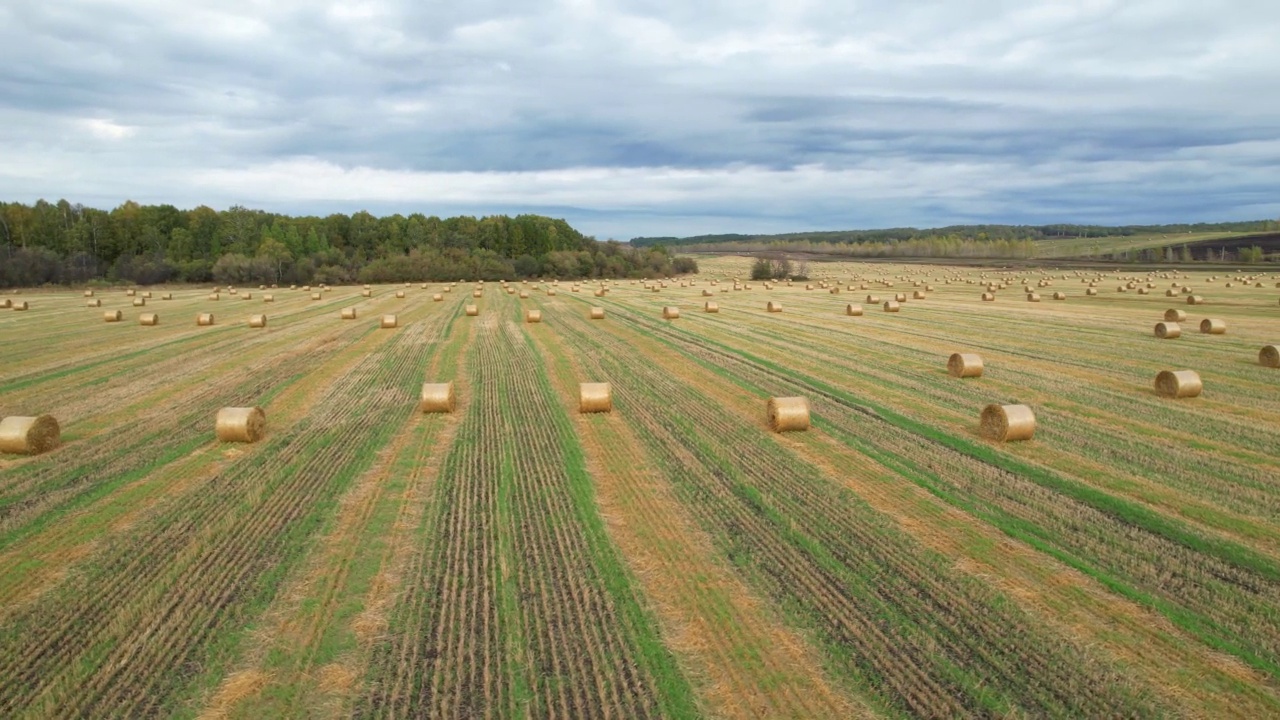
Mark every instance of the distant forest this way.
pixel 65 243
pixel 1012 235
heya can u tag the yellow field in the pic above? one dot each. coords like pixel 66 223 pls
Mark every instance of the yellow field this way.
pixel 673 557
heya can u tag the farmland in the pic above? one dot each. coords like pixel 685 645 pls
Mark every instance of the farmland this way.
pixel 672 557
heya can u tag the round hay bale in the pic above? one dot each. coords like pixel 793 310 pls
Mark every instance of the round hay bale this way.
pixel 1033 297
pixel 1175 315
pixel 204 319
pixel 113 316
pixel 25 435
pixel 873 300
pixel 1168 330
pixel 438 297
pixel 1008 422
pixel 1170 293
pixel 595 397
pixel 247 296
pixel 169 296
pixel 1178 383
pixel 1269 356
pixel 148 319
pixel 965 365
pixel 257 321
pixel 241 424
pixel 389 321
pixel 900 297
pixel 366 293
pixel 891 306
pixel 1213 326
pixel 348 313
pixel 551 292
pixel 533 316
pixel 213 296
pixel 94 303
pixel 670 312
pixel 855 310
pixel 787 414
pixel 597 313
pixel 472 310
pixel 139 302
pixel 268 298
pixel 917 295
pixel 436 398
pixel 773 306
pixel 316 296
pixel 88 293
pixel 1195 300
pixel 1059 296
pixel 988 297
pixel 474 294
pixel 130 293
pixel 710 307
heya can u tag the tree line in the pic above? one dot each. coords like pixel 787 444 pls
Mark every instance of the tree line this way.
pixel 66 243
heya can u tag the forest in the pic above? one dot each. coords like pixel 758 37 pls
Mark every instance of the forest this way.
pixel 65 243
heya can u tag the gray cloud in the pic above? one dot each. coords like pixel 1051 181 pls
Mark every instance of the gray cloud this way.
pixel 651 116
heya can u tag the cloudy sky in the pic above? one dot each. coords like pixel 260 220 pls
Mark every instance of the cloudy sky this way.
pixel 651 117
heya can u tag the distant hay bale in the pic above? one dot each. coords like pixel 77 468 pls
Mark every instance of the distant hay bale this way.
pixel 247 296
pixel 437 398
pixel 169 296
pixel 348 313
pixel 438 297
pixel 113 316
pixel 1195 300
pixel 551 292
pixel 204 319
pixel 399 294
pixel 26 435
pixel 900 297
pixel 139 302
pixel 240 424
pixel 533 316
pixel 710 307
pixel 670 312
pixel 597 313
pixel 1168 330
pixel 1033 297
pixel 988 297
pixel 130 293
pixel 316 296
pixel 257 321
pixel 788 414
pixel 94 303
pixel 1178 383
pixel 965 365
pixel 918 295
pixel 472 310
pixel 1213 326
pixel 268 298
pixel 1171 293
pixel 891 306
pixel 366 293
pixel 213 296
pixel 1008 423
pixel 474 294
pixel 855 310
pixel 1175 315
pixel 1059 296
pixel 148 319
pixel 1091 291
pixel 773 307
pixel 808 287
pixel 388 322
pixel 873 299
pixel 595 397
pixel 1269 356
pixel 88 293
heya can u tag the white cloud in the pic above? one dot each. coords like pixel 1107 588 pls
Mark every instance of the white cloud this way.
pixel 104 129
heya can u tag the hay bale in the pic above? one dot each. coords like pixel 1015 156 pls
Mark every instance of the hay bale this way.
pixel 1195 300
pixel 1269 356
pixel 474 294
pixel 148 319
pixel 855 310
pixel 917 295
pixel 472 310
pixel 533 316
pixel 24 435
pixel 1168 330
pixel 891 306
pixel 388 322
pixel 873 300
pixel 88 293
pixel 1008 422
pixel 316 296
pixel 988 297
pixel 787 414
pixel 169 296
pixel 1170 293
pixel 965 365
pixel 710 307
pixel 247 296
pixel 1059 296
pixel 204 319
pixel 257 321
pixel 130 293
pixel 438 297
pixel 366 293
pixel 706 293
pixel 595 397
pixel 94 303
pixel 1178 383
pixel 348 313
pixel 1175 315
pixel 597 313
pixel 551 292
pixel 900 297
pixel 670 312
pixel 241 424
pixel 268 298
pixel 113 316
pixel 1033 297
pixel 437 398
pixel 139 302
pixel 213 296
pixel 1213 326
pixel 773 306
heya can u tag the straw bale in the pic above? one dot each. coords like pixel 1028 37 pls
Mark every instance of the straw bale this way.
pixel 268 298
pixel 29 435
pixel 595 397
pixel 437 398
pixel 389 321
pixel 88 293
pixel 1091 291
pixel 241 424
pixel 257 321
pixel 1168 330
pixel 113 316
pixel 1033 297
pixel 597 313
pixel 1195 300
pixel 1269 356
pixel 148 319
pixel 965 365
pixel 1178 383
pixel 1213 326
pixel 873 299
pixel 438 297
pixel 773 306
pixel 213 296
pixel 533 316
pixel 366 293
pixel 316 296
pixel 1008 422
pixel 1175 315
pixel 169 296
pixel 139 302
pixel 204 319
pixel 710 307
pixel 788 414
pixel 1059 296
pixel 988 297
pixel 670 312
pixel 891 306
pixel 853 309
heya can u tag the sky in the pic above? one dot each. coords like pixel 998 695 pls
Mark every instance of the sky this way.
pixel 651 117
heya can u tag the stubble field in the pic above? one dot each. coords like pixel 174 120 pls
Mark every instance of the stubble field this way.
pixel 671 558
